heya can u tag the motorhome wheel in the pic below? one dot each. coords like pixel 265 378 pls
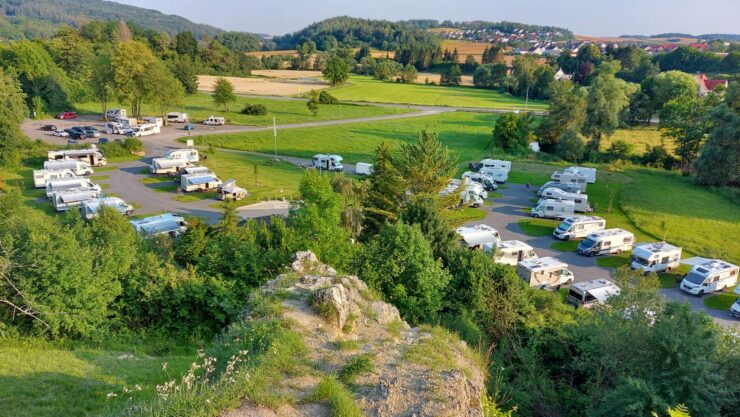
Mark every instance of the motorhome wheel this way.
pixel 567 237
pixel 536 215
pixel 701 292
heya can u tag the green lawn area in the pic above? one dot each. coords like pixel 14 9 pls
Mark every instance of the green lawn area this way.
pixel 613 261
pixel 363 88
pixel 721 301
pixel 467 214
pixel 537 227
pixel 200 106
pixel 640 137
pixel 195 196
pixel 43 379
pixel 565 245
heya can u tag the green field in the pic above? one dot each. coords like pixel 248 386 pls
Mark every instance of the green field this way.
pixel 640 137
pixel 200 106
pixel 362 88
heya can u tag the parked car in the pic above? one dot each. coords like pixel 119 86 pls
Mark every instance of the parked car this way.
pixel 75 133
pixel 189 127
pixel 49 128
pixel 66 115
pixel 103 141
pixel 60 133
pixel 91 132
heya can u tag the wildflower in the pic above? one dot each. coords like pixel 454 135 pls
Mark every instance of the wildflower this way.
pixel 111 395
pixel 137 387
pixel 164 366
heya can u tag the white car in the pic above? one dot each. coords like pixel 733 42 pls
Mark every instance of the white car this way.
pixel 60 133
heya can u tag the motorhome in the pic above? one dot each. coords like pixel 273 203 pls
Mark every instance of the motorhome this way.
pixel 199 182
pixel 190 154
pixel 176 117
pixel 163 224
pixel 578 227
pixel 144 130
pixel 580 201
pixel 114 128
pixel 590 293
pixel 479 236
pixel 495 164
pixel 55 186
pixel 655 257
pixel 65 200
pixel 328 162
pixel 606 242
pixel 553 209
pixel 544 273
pixel 565 177
pixel 568 187
pixel 362 168
pixel 90 209
pixel 229 191
pixel 487 182
pixel 91 156
pixel 215 121
pixel 195 170
pixel 735 308
pixel 499 175
pixel 511 252
pixel 471 194
pixel 116 114
pixel 156 121
pixel 41 176
pixel 77 167
pixel 127 122
pixel 589 173
pixel 168 166
pixel 709 276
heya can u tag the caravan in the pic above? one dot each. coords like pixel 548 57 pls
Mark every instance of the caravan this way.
pixel 495 164
pixel 567 187
pixel 511 252
pixel 156 121
pixel 553 209
pixel 471 193
pixel 709 276
pixel 143 130
pixel 175 117
pixel 580 201
pixel 544 273
pixel 362 168
pixel 590 293
pixel 607 242
pixel 328 162
pixel 214 121
pixel 168 166
pixel 565 177
pixel 77 167
pixel 480 236
pixel 578 227
pixel 91 156
pixel 41 176
pixel 114 114
pixel 70 184
pixel 589 173
pixel 655 257
pixel 163 224
pixel 195 170
pixel 199 182
pixel 65 200
pixel 499 175
pixel 190 154
pixel 229 191
pixel 89 209
pixel 484 180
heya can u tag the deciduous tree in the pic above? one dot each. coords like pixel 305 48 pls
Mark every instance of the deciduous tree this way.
pixel 223 93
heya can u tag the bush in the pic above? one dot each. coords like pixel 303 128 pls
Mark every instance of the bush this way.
pixel 129 146
pixel 326 98
pixel 619 149
pixel 254 110
pixel 658 157
pixel 571 146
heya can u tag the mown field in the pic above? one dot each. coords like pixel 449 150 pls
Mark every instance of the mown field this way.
pixel 361 88
pixel 200 106
pixel 639 137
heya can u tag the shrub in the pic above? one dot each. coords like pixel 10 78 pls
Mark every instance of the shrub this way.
pixel 254 110
pixel 129 146
pixel 571 146
pixel 658 157
pixel 326 98
pixel 619 149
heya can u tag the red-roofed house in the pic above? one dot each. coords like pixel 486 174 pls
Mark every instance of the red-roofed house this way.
pixel 700 46
pixel 706 85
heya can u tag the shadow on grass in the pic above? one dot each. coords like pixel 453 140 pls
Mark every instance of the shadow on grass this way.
pixel 537 227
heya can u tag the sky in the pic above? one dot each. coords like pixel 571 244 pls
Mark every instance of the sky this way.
pixel 584 17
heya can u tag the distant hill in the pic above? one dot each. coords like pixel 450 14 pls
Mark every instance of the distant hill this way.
pixel 31 18
pixel 729 37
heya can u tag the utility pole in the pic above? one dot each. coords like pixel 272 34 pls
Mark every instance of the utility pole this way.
pixel 274 131
pixel 526 100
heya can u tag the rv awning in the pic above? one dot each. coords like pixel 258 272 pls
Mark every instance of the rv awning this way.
pixel 201 180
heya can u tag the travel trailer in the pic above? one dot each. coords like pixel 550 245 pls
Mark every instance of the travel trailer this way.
pixel 479 236
pixel 487 182
pixel 77 167
pixel 580 201
pixel 735 308
pixel 495 164
pixel 229 191
pixel 89 209
pixel 41 176
pixel 511 252
pixel 578 227
pixel 499 175
pixel 156 121
pixel 168 166
pixel 565 177
pixel 215 121
pixel 589 173
pixel 471 194
pixel 544 273
pixel 195 170
pixel 655 257
pixel 553 209
pixel 571 188
pixel 190 154
pixel 56 186
pixel 328 162
pixel 709 276
pixel 116 114
pixel 92 156
pixel 143 130
pixel 362 168
pixel 590 293
pixel 65 200
pixel 606 242
pixel 163 224
pixel 199 182
pixel 175 117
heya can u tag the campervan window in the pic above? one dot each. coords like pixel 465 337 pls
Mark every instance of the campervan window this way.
pixel 589 298
pixel 694 278
pixel 575 294
pixel 588 243
pixel 549 208
pixel 640 260
pixel 628 239
pixel 665 260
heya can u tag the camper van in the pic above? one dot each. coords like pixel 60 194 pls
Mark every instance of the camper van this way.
pixel 606 242
pixel 168 166
pixel 92 156
pixel 499 175
pixel 89 209
pixel 65 200
pixel 655 257
pixel 479 236
pixel 215 121
pixel 199 182
pixel 471 193
pixel 156 121
pixel 70 184
pixel 578 227
pixel 229 191
pixel 544 273
pixel 511 252
pixel 590 293
pixel 567 187
pixel 328 162
pixel 553 209
pixel 77 167
pixel 709 276
pixel 190 154
pixel 565 177
pixel 487 182
pixel 497 164
pixel 114 128
pixel 580 201
pixel 589 173
pixel 41 176
pixel 735 308
pixel 175 117
pixel 143 130
pixel 362 168
pixel 163 224
pixel 116 114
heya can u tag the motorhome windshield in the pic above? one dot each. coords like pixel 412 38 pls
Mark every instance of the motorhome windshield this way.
pixel 694 278
pixel 640 260
pixel 564 226
pixel 575 294
pixel 587 243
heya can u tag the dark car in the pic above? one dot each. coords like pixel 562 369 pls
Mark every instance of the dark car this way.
pixel 103 141
pixel 76 133
pixel 91 132
pixel 66 115
pixel 189 127
pixel 49 128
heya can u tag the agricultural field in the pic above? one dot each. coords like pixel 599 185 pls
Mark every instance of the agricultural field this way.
pixel 465 48
pixel 200 106
pixel 361 88
pixel 269 83
pixel 640 137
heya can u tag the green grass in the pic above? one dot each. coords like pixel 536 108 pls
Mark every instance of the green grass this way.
pixel 339 397
pixel 673 279
pixel 640 137
pixel 537 227
pixel 165 188
pixel 363 88
pixel 201 106
pixel 156 179
pixel 438 353
pixel 614 261
pixel 565 245
pixel 721 301
pixel 356 366
pixel 463 215
pixel 196 196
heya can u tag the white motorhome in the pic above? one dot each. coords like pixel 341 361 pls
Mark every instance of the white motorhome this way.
pixel 328 162
pixel 163 224
pixel 65 200
pixel 590 293
pixel 168 166
pixel 116 114
pixel 190 154
pixel 553 209
pixel 156 121
pixel 710 276
pixel 735 308
pixel 487 182
pixel 571 188
pixel 511 252
pixel 589 173
pixel 195 170
pixel 655 257
pixel 496 164
pixel 41 176
pixel 362 168
pixel 565 177
pixel 89 209
pixel 144 130
pixel 215 121
pixel 199 182
pixel 91 156
pixel 578 227
pixel 471 194
pixel 114 128
pixel 499 175
pixel 544 273
pixel 606 242
pixel 479 236
pixel 176 117
pixel 580 201
pixel 229 191
pixel 56 186
pixel 77 167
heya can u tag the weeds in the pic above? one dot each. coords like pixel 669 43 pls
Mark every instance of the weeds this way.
pixel 358 365
pixel 340 399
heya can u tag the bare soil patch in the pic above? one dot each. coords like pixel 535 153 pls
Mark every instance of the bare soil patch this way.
pixel 280 85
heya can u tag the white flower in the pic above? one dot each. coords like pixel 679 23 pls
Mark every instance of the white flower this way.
pixel 164 366
pixel 111 395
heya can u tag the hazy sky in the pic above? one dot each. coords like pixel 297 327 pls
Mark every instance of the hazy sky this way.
pixel 586 17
